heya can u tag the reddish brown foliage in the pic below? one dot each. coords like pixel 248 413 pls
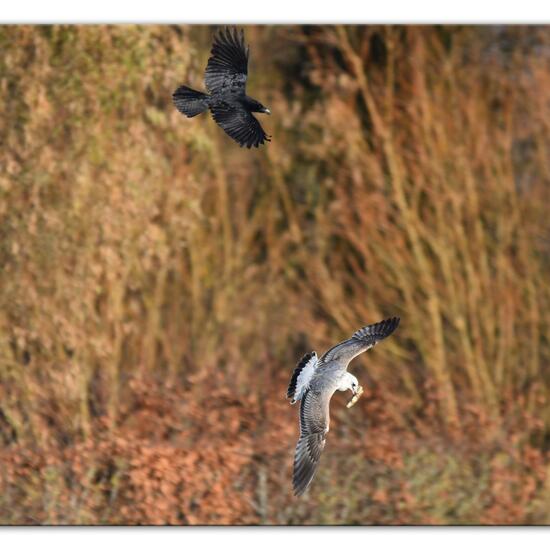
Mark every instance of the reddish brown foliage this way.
pixel 227 460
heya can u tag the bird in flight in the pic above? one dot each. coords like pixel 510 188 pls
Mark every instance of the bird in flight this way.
pixel 225 80
pixel 314 381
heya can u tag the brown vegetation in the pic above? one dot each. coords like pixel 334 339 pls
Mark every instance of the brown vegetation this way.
pixel 159 284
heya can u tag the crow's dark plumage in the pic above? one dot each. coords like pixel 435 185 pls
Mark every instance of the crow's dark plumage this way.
pixel 225 80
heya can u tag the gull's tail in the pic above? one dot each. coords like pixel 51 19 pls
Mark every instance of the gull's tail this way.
pixel 190 102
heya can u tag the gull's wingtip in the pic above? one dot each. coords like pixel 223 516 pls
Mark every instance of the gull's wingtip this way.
pixel 379 330
pixel 300 486
pixel 389 325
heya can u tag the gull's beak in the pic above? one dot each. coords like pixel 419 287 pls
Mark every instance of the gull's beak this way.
pixel 267 111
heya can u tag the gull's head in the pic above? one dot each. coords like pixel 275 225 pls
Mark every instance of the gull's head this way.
pixel 349 382
pixel 354 384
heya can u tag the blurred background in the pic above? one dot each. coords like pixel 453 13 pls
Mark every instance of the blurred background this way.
pixel 159 284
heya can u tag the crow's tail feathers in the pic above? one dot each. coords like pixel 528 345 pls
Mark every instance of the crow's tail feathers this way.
pixel 190 102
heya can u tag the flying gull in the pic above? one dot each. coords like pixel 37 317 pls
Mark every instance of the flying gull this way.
pixel 314 381
pixel 225 79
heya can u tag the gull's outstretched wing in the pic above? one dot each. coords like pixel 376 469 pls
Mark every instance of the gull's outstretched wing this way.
pixel 227 67
pixel 301 376
pixel 362 340
pixel 314 424
pixel 239 124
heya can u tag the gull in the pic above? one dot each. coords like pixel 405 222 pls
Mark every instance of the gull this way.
pixel 313 382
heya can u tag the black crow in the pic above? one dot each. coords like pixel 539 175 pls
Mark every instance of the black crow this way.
pixel 225 79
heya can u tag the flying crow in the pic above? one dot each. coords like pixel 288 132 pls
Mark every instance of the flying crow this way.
pixel 225 79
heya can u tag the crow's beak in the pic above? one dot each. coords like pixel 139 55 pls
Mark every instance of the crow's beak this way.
pixel 267 111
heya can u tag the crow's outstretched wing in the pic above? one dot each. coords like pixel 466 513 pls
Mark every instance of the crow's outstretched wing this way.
pixel 314 423
pixel 227 67
pixel 239 124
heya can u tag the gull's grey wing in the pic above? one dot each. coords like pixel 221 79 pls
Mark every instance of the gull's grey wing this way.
pixel 239 124
pixel 314 425
pixel 227 67
pixel 301 377
pixel 362 340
